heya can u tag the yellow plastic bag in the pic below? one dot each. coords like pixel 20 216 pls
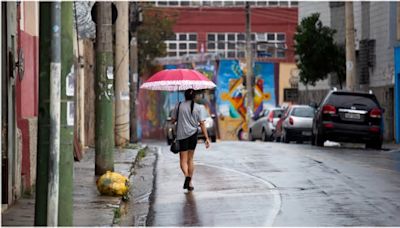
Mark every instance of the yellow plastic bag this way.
pixel 112 184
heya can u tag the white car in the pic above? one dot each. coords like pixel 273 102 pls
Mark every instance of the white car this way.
pixel 297 124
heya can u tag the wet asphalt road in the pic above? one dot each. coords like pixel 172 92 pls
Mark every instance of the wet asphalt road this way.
pixel 273 184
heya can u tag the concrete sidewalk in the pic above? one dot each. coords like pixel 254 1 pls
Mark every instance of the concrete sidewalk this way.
pixel 90 208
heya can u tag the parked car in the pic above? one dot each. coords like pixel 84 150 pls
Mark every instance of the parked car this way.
pixel 349 117
pixel 210 125
pixel 264 126
pixel 170 128
pixel 296 124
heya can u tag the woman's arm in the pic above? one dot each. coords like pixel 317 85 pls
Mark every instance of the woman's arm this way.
pixel 204 130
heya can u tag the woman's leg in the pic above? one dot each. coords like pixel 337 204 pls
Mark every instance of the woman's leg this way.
pixel 184 162
pixel 190 164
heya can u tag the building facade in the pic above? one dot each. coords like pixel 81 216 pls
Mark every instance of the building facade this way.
pixel 375 41
pixel 210 36
pixel 19 86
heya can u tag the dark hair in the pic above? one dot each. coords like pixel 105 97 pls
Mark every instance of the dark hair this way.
pixel 189 94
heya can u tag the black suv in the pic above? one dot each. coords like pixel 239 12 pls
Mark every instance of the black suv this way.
pixel 349 117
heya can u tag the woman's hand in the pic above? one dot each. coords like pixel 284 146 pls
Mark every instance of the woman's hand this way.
pixel 207 143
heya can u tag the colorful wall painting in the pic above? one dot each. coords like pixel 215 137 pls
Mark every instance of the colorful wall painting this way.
pixel 231 95
pixel 155 106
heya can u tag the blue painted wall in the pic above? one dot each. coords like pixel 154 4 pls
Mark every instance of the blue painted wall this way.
pixel 397 93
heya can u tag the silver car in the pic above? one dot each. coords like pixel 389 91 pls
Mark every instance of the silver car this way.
pixel 209 124
pixel 297 123
pixel 264 126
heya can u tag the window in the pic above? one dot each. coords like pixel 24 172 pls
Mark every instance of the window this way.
pixel 241 36
pixel 283 3
pixel 271 36
pixel 182 44
pixel 192 37
pixel 172 46
pixel 281 37
pixel 192 46
pixel 182 37
pixel 273 3
pixel 233 45
pixel 185 3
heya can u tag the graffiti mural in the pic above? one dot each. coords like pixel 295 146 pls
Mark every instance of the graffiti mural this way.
pixel 231 95
pixel 155 106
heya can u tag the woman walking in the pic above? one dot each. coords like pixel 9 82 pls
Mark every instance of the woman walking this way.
pixel 190 116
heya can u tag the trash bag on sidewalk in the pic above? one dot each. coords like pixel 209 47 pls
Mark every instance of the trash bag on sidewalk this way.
pixel 112 184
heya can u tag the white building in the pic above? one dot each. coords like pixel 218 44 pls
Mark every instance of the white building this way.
pixel 376 40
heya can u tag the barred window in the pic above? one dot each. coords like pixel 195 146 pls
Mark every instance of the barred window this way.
pixel 182 44
pixel 232 45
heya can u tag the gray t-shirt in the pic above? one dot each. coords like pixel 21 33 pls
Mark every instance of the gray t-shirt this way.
pixel 188 122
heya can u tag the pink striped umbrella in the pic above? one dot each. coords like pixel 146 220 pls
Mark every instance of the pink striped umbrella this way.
pixel 177 79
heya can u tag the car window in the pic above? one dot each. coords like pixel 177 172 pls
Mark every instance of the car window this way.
pixel 349 100
pixel 303 112
pixel 277 113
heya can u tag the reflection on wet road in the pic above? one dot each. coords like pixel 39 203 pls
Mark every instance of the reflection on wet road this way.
pixel 264 184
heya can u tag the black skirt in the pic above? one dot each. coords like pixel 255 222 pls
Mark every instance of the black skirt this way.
pixel 188 143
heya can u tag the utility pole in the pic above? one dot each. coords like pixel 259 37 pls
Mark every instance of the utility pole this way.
pixel 55 89
pixel 351 80
pixel 135 20
pixel 133 84
pixel 104 126
pixel 65 208
pixel 249 65
pixel 43 117
pixel 122 74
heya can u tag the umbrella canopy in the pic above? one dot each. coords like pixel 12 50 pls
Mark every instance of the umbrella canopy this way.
pixel 177 79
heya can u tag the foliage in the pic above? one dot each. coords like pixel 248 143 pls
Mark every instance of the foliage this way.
pixel 156 27
pixel 317 53
pixel 340 64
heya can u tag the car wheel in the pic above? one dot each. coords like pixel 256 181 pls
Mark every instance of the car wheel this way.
pixel 319 140
pixel 285 136
pixel 377 145
pixel 251 138
pixel 313 139
pixel 213 138
pixel 264 136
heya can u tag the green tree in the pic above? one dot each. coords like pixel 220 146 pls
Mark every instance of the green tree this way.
pixel 155 29
pixel 317 53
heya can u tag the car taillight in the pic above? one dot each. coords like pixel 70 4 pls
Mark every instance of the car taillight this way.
pixel 375 113
pixel 291 121
pixel 329 109
pixel 374 129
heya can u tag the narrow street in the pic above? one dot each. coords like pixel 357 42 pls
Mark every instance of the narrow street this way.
pixel 274 184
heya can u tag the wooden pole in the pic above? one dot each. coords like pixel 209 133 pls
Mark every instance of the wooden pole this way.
pixel 104 132
pixel 122 74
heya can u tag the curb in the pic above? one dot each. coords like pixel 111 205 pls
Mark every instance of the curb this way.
pixel 134 212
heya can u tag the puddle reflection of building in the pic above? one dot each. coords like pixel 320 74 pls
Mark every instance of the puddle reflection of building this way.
pixel 190 216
